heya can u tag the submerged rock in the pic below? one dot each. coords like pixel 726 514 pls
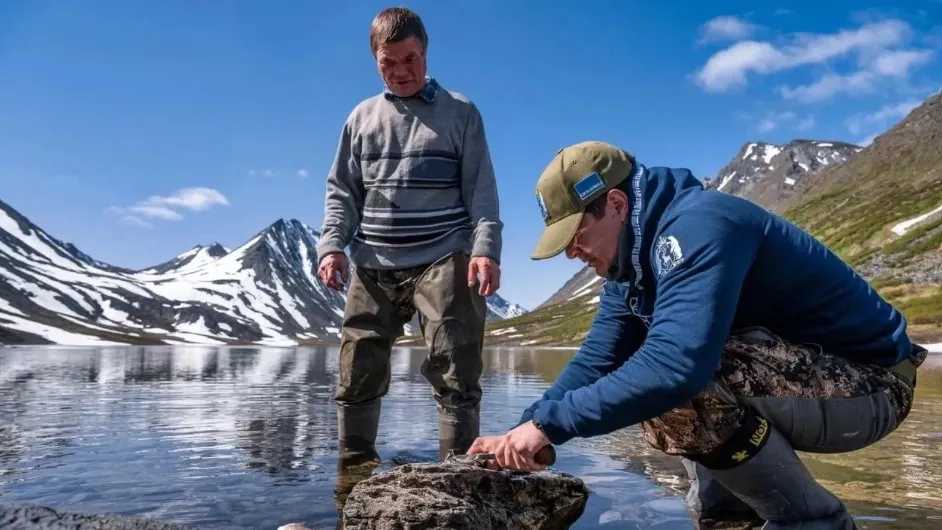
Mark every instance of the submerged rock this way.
pixel 461 493
pixel 36 517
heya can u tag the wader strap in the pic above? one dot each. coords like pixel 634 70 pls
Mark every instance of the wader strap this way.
pixel 907 367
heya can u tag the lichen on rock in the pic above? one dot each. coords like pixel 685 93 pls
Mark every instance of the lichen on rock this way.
pixel 461 493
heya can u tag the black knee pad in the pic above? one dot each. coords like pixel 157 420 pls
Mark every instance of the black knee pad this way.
pixel 744 444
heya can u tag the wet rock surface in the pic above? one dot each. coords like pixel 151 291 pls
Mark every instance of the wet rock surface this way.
pixel 35 517
pixel 461 493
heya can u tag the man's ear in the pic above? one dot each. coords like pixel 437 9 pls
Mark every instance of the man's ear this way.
pixel 619 201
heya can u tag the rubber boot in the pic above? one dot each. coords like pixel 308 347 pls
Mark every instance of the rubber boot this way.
pixel 778 486
pixel 457 430
pixel 353 467
pixel 711 506
pixel 357 425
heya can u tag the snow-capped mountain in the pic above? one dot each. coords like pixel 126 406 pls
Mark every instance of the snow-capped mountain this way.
pixel 499 309
pixel 264 291
pixel 766 173
pixel 190 259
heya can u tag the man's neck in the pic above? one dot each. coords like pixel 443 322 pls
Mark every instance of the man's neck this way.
pixel 427 93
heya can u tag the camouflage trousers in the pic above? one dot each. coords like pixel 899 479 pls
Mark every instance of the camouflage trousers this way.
pixel 451 317
pixel 768 398
pixel 819 402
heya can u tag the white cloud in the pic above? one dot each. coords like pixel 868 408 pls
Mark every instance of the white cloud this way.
pixel 303 173
pixel 890 64
pixel 196 199
pixel 168 207
pixel 898 63
pixel 726 28
pixel 135 221
pixel 881 118
pixel 830 85
pixel 729 68
pixel 774 120
pixel 766 125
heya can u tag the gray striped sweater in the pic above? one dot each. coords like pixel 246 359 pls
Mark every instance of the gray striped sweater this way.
pixel 412 181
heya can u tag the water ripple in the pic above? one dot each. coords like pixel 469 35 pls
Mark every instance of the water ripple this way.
pixel 246 438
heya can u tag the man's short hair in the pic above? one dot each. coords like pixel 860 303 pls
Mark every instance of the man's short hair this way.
pixel 394 24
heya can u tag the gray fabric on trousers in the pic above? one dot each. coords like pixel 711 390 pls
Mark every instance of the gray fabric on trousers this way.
pixel 829 425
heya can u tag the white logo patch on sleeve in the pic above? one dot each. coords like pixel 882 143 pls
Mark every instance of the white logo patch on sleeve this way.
pixel 667 255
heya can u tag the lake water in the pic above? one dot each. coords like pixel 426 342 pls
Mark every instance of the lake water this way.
pixel 246 438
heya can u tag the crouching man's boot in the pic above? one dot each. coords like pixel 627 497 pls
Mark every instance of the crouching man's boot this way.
pixel 760 467
pixel 711 506
pixel 457 429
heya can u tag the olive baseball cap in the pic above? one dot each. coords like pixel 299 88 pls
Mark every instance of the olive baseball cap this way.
pixel 577 175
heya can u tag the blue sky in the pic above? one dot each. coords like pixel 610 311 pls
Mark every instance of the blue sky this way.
pixel 138 129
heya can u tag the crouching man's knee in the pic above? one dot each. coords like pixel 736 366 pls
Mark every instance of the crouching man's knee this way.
pixel 699 426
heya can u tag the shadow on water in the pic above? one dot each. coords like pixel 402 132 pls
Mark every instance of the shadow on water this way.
pixel 246 438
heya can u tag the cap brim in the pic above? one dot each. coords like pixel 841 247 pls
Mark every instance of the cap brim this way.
pixel 557 236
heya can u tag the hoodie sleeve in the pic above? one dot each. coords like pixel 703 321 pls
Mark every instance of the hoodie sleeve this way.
pixel 613 336
pixel 707 258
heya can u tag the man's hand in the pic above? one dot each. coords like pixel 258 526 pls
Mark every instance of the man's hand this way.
pixel 515 450
pixel 329 267
pixel 490 275
pixel 485 444
pixel 518 448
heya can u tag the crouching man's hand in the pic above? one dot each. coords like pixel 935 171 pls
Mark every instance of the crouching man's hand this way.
pixel 485 444
pixel 515 450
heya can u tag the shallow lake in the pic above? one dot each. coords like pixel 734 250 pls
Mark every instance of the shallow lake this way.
pixel 246 438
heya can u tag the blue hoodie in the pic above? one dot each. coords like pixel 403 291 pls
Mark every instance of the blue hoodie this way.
pixel 692 266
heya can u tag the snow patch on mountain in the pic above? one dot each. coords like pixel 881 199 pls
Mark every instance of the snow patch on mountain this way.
pixel 500 309
pixel 767 173
pixel 264 292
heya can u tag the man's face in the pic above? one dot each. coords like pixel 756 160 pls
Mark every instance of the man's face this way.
pixel 596 240
pixel 402 66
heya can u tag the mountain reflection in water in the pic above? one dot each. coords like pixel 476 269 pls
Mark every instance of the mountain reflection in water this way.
pixel 246 438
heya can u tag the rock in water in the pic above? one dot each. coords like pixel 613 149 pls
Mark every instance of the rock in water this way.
pixel 461 493
pixel 35 517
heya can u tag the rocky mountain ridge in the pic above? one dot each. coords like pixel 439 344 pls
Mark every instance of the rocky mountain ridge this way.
pixel 767 173
pixel 265 291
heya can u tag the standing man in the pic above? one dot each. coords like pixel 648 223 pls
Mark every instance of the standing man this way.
pixel 412 191
pixel 729 335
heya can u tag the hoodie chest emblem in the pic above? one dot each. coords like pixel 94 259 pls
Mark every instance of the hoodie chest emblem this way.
pixel 667 255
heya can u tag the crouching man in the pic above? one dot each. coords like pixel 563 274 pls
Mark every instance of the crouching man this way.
pixel 730 336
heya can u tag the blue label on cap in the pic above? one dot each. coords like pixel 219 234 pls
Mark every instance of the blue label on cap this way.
pixel 542 205
pixel 588 185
